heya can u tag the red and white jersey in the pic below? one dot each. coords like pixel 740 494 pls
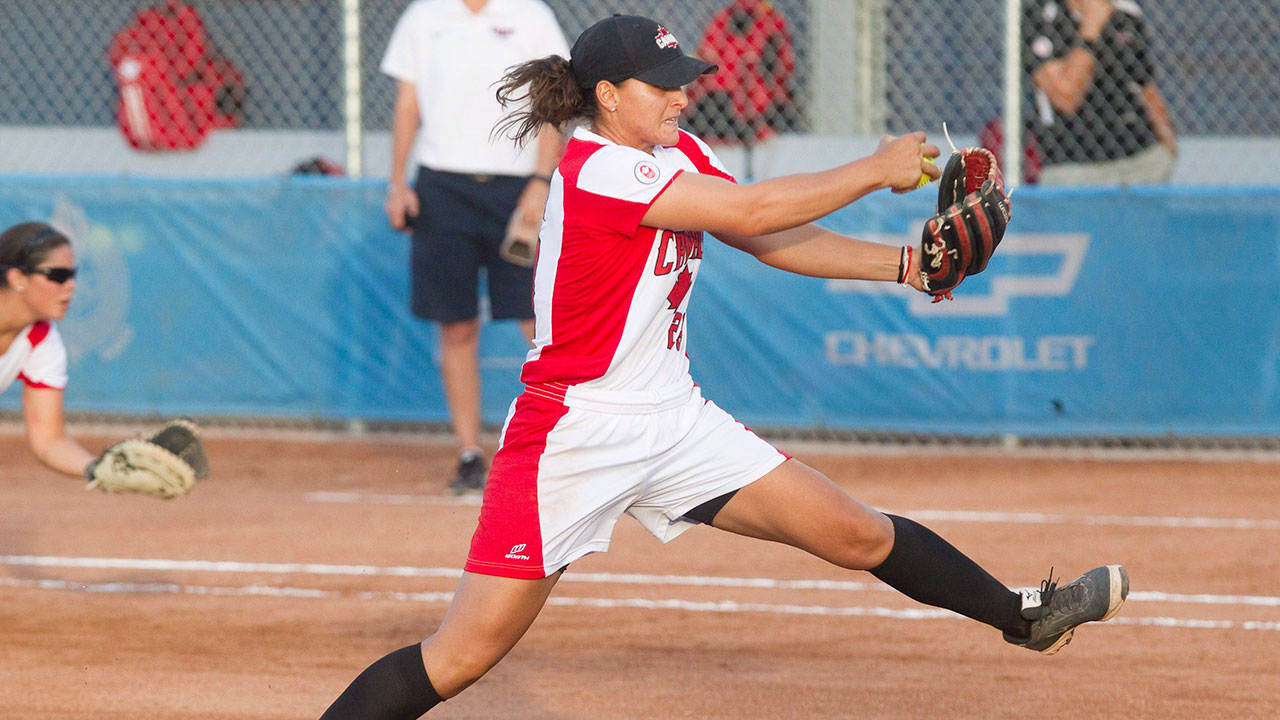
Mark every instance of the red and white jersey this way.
pixel 611 294
pixel 37 357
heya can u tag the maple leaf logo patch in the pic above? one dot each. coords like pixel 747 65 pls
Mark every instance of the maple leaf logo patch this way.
pixel 683 281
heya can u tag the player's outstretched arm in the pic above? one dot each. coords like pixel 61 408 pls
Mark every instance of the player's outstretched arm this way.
pixel 46 432
pixel 816 252
pixel 703 202
pixel 973 213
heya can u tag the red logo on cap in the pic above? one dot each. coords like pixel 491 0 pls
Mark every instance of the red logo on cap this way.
pixel 665 39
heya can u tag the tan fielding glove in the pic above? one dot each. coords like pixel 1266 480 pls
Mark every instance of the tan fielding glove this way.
pixel 165 464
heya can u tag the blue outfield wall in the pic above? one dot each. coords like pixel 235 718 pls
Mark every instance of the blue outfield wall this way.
pixel 1106 311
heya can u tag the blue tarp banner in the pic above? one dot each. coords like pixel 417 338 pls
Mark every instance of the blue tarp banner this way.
pixel 1105 311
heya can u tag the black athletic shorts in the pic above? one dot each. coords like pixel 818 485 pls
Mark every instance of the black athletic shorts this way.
pixel 460 225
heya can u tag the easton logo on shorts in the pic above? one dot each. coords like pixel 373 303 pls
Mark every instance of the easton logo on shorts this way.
pixel 647 172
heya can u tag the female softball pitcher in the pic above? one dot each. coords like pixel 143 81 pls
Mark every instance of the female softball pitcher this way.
pixel 610 421
pixel 37 279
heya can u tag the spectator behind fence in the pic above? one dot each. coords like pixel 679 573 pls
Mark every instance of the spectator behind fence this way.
pixel 751 94
pixel 1099 116
pixel 175 86
pixel 447 56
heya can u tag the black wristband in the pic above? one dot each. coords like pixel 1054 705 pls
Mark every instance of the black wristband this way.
pixel 544 178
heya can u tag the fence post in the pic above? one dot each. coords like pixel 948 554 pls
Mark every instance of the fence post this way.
pixel 351 87
pixel 1012 159
pixel 871 67
pixel 832 92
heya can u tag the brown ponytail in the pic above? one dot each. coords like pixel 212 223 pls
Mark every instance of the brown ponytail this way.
pixel 553 96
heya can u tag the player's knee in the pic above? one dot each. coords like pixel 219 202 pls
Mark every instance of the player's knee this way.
pixel 463 332
pixel 465 671
pixel 865 541
pixel 463 667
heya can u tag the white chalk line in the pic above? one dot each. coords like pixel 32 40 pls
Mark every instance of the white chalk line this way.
pixel 720 606
pixel 357 432
pixel 355 498
pixel 977 516
pixel 647 580
pixel 222 566
pixel 1118 520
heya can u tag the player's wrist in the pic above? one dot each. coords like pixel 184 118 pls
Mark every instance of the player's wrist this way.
pixel 909 268
pixel 881 171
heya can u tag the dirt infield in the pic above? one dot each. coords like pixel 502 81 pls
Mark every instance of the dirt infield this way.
pixel 300 561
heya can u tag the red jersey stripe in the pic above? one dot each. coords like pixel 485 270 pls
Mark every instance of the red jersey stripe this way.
pixel 695 152
pixel 594 286
pixel 36 385
pixel 38 332
pixel 508 538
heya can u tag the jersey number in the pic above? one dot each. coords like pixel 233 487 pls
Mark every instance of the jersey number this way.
pixel 675 333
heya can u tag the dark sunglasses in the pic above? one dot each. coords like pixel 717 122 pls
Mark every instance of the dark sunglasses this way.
pixel 55 274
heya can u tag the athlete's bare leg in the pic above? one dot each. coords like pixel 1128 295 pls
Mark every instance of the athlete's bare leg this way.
pixel 487 617
pixel 460 372
pixel 799 506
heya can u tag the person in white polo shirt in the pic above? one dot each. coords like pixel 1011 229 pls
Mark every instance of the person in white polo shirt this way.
pixel 447 56
pixel 37 279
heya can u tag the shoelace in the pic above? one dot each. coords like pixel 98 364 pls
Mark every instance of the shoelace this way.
pixel 1069 599
pixel 1047 590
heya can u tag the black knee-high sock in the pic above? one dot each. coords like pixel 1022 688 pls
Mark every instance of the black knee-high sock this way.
pixel 928 569
pixel 396 687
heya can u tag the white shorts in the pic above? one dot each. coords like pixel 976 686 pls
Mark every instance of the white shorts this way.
pixel 567 470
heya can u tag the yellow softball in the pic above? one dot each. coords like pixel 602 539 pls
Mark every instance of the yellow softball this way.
pixel 924 177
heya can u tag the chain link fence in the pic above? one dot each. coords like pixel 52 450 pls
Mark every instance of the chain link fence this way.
pixel 254 87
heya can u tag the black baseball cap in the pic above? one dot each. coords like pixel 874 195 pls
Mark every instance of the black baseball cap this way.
pixel 629 46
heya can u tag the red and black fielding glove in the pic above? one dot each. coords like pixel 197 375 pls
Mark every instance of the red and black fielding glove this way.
pixel 973 211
